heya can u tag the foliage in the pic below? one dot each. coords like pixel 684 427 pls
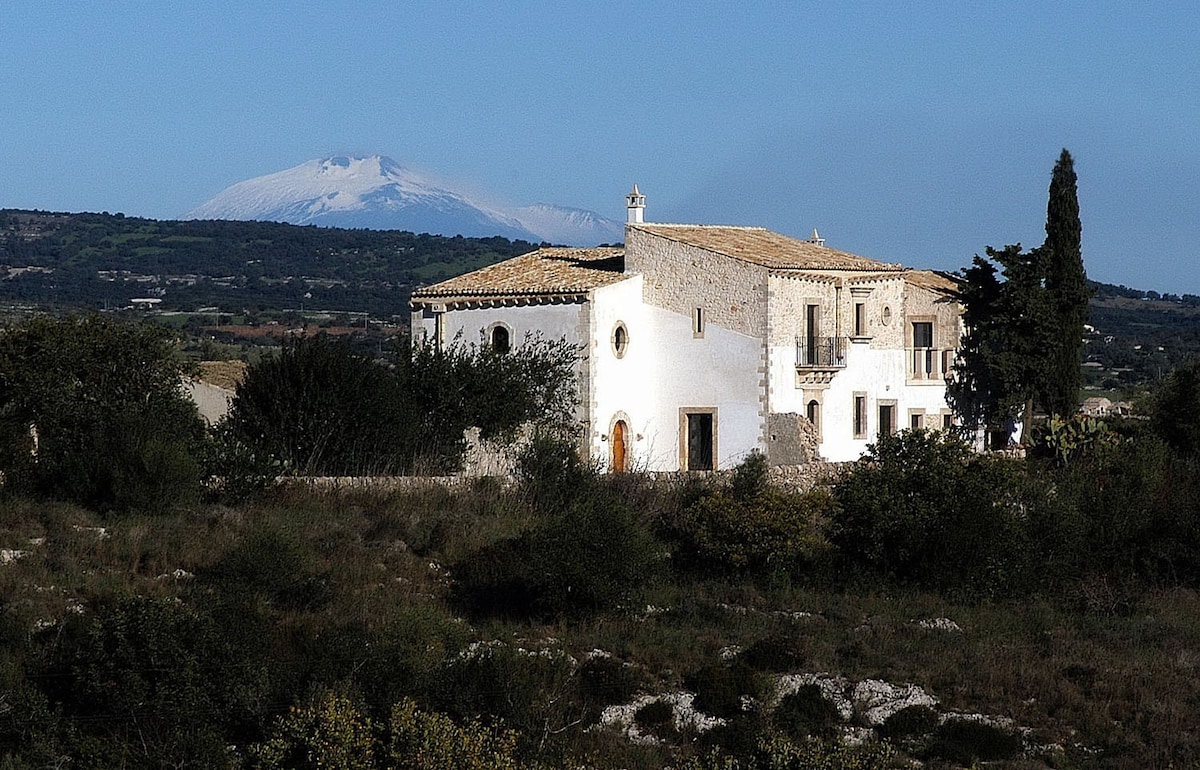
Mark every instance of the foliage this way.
pixel 806 713
pixel 450 388
pixel 782 754
pixel 1067 287
pixel 968 741
pixel 1074 437
pixel 921 506
pixel 163 681
pixel 91 410
pixel 1000 364
pixel 321 409
pixel 588 552
pixel 1024 334
pixel 327 733
pixel 1175 409
pixel 768 533
pixel 420 740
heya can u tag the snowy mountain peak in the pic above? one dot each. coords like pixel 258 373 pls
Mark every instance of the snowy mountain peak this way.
pixel 376 192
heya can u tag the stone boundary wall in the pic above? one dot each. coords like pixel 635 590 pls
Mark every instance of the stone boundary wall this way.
pixel 792 478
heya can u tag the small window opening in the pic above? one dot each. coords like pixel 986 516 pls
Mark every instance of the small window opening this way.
pixel 620 340
pixel 500 339
pixel 698 322
pixel 860 416
pixel 860 319
pixel 887 419
pixel 813 412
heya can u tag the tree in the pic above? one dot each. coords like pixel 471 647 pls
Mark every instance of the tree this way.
pixel 1024 332
pixel 322 408
pixel 91 410
pixel 1067 287
pixel 319 407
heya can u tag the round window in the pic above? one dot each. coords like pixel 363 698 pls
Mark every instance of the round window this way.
pixel 620 339
pixel 886 315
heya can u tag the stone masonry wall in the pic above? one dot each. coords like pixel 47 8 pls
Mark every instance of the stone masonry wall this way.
pixel 680 278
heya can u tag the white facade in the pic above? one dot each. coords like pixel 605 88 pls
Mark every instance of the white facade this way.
pixel 703 344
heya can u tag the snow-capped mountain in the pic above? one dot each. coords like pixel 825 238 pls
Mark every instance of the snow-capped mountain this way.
pixel 379 194
pixel 576 227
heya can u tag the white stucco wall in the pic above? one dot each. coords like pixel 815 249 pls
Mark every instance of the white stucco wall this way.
pixel 667 369
pixel 876 363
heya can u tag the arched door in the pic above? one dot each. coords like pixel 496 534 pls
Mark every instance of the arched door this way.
pixel 619 432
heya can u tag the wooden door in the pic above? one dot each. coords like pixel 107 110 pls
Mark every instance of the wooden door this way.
pixel 618 447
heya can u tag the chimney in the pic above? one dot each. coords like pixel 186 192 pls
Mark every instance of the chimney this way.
pixel 635 205
pixel 816 238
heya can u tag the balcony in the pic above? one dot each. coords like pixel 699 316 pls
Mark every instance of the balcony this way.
pixel 821 353
pixel 929 365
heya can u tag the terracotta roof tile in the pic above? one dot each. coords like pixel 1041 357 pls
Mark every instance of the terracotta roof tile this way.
pixel 932 280
pixel 763 247
pixel 545 271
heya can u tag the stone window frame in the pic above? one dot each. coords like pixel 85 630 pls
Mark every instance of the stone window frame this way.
pixel 860 321
pixel 819 423
pixel 491 336
pixel 922 419
pixel 684 411
pixel 860 415
pixel 619 346
pixel 887 403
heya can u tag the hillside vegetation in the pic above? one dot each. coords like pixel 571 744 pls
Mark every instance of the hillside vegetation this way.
pixel 164 603
pixel 99 261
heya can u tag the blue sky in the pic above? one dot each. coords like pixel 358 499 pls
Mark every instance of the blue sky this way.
pixel 912 132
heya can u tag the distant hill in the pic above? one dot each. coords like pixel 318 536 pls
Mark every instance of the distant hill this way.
pixel 378 193
pixel 60 260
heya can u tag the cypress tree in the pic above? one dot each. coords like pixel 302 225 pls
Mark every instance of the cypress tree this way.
pixel 1067 289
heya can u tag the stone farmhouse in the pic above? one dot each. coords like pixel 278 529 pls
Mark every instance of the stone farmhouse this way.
pixel 701 343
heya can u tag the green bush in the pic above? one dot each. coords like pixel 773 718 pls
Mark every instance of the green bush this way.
pixel 769 532
pixel 968 741
pixel 806 713
pixel 910 722
pixel 91 411
pixel 777 653
pixel 920 506
pixel 724 689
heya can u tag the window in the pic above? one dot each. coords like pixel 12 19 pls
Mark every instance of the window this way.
pixel 500 339
pixel 947 421
pixel 916 419
pixel 860 415
pixel 698 445
pixel 620 339
pixel 860 319
pixel 698 322
pixel 813 412
pixel 922 334
pixel 887 419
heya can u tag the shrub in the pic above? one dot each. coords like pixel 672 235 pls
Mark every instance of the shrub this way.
pixel 656 718
pixel 909 722
pixel 806 713
pixel 327 732
pixel 777 653
pixel 91 410
pixel 922 507
pixel 967 741
pixel 768 531
pixel 724 689
pixel 421 740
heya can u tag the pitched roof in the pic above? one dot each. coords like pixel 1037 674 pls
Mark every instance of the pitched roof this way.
pixel 932 280
pixel 545 271
pixel 760 246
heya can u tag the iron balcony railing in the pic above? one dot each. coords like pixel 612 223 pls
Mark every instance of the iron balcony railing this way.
pixel 821 352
